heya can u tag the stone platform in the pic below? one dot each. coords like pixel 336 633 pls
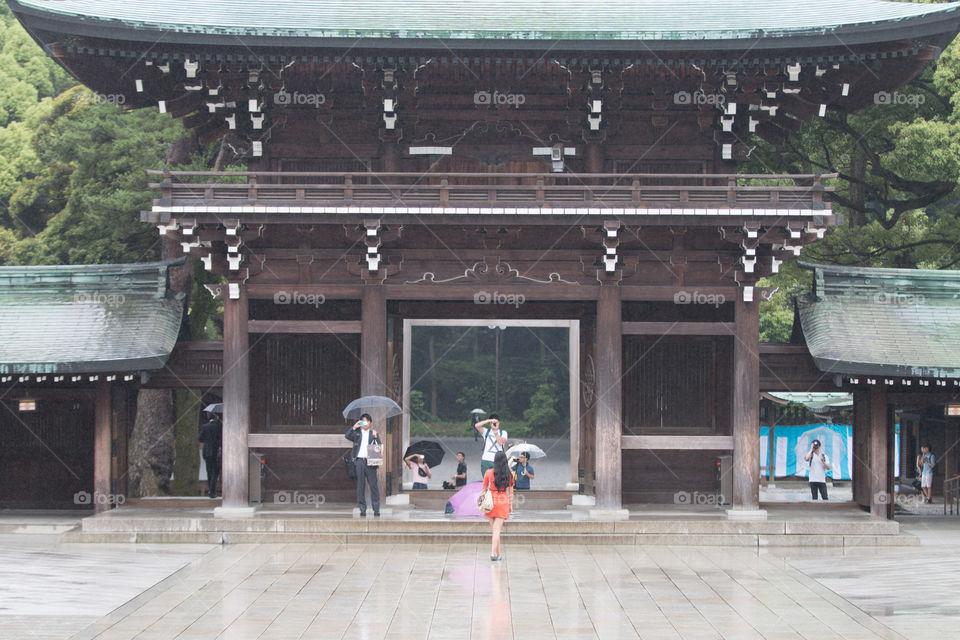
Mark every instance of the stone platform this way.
pixel 833 525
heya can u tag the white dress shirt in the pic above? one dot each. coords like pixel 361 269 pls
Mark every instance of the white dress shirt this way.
pixel 364 441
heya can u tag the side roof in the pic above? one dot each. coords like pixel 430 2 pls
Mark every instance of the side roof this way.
pixel 883 322
pixel 621 24
pixel 87 318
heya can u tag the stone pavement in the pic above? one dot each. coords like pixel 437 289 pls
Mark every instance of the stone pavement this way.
pixel 408 591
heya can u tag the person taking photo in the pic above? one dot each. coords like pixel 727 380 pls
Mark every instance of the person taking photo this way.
pixel 819 465
pixel 494 440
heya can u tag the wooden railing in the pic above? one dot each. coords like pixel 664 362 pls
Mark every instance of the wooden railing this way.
pixel 508 190
pixel 951 494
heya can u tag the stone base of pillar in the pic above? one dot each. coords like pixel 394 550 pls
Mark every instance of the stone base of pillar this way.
pixel 234 512
pixel 396 499
pixel 580 500
pixel 573 486
pixel 609 514
pixel 746 514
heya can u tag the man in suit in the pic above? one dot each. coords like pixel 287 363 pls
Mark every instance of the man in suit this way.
pixel 211 437
pixel 362 436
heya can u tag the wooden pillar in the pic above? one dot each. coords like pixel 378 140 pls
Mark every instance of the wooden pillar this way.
pixel 860 482
pixel 746 407
pixel 103 417
pixel 390 158
pixel 236 402
pixel 609 398
pixel 120 428
pixel 772 452
pixel 373 357
pixel 594 158
pixel 881 503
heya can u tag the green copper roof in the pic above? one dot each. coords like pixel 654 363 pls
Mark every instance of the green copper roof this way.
pixel 895 322
pixel 556 20
pixel 86 319
pixel 816 400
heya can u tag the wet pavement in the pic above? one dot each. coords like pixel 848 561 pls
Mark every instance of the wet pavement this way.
pixel 53 590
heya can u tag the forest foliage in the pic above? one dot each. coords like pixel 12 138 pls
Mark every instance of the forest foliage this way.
pixel 520 373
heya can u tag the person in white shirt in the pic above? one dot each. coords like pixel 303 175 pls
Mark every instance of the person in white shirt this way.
pixel 361 435
pixel 819 465
pixel 494 440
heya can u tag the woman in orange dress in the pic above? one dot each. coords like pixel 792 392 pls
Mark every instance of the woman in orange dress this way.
pixel 500 482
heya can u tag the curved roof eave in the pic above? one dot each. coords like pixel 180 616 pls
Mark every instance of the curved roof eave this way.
pixel 773 24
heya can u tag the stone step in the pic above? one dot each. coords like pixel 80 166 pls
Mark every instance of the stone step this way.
pixel 334 525
pixel 37 528
pixel 540 539
pixel 410 522
pixel 173 502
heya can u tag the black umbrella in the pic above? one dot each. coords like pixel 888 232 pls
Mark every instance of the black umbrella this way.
pixel 432 451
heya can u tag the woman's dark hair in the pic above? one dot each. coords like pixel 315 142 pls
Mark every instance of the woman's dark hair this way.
pixel 501 472
pixel 367 417
pixel 494 416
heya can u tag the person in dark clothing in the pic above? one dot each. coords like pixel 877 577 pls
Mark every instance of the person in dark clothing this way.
pixel 211 438
pixel 361 435
pixel 460 479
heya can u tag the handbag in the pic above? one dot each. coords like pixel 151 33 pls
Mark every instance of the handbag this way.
pixel 421 472
pixel 374 454
pixel 351 466
pixel 485 501
pixel 916 484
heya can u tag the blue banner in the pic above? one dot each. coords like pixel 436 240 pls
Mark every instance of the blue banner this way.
pixel 793 443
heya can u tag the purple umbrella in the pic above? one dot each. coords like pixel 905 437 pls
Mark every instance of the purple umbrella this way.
pixel 464 502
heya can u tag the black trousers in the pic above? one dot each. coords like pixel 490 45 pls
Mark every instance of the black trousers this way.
pixel 213 475
pixel 818 486
pixel 367 475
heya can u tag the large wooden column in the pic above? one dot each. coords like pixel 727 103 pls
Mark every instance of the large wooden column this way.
pixel 609 398
pixel 373 357
pixel 881 498
pixel 746 411
pixel 595 158
pixel 103 417
pixel 236 405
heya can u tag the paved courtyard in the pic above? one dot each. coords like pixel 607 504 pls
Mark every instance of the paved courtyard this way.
pixel 50 590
